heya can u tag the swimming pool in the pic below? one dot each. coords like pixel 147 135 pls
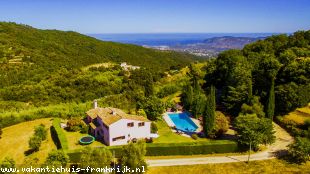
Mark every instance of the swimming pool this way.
pixel 183 122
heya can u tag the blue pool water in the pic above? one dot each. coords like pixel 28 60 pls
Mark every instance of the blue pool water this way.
pixel 183 122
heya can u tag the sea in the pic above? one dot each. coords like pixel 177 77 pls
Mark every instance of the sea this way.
pixel 169 39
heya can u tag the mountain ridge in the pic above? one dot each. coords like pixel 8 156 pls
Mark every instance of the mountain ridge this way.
pixel 230 42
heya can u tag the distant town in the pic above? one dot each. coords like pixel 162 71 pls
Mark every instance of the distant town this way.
pixel 210 47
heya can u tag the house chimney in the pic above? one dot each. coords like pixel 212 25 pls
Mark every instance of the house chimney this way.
pixel 95 104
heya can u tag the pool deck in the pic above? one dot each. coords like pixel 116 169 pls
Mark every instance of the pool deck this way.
pixel 168 119
pixel 171 124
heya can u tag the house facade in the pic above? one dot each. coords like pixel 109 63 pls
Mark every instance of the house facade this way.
pixel 115 127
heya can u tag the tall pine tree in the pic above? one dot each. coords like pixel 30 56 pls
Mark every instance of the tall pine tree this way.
pixel 209 114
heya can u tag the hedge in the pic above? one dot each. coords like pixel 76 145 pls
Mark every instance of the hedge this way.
pixel 58 135
pixel 166 149
pixel 217 146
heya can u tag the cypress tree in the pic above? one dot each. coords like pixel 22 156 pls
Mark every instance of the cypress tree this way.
pixel 199 104
pixel 209 114
pixel 148 86
pixel 250 95
pixel 188 97
pixel 271 101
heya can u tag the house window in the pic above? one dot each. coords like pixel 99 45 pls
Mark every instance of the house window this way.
pixel 130 124
pixel 141 124
pixel 118 138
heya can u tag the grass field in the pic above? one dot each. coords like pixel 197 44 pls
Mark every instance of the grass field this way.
pixel 14 141
pixel 268 166
pixel 167 136
pixel 73 141
pixel 299 115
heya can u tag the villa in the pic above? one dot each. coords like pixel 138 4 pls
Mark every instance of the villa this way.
pixel 127 67
pixel 115 127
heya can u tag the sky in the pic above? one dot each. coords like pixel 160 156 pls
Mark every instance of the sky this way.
pixel 160 16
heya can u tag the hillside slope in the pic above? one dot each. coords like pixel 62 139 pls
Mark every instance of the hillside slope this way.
pixel 43 67
pixel 52 49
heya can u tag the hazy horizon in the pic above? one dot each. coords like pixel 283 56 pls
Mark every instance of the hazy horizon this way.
pixel 169 39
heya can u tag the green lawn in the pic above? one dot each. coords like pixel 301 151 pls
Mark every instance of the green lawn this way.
pixel 73 140
pixel 167 136
pixel 267 166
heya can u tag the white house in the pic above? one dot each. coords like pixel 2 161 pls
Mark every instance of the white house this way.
pixel 127 67
pixel 115 127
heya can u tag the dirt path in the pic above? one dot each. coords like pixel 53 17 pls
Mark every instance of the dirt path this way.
pixel 283 139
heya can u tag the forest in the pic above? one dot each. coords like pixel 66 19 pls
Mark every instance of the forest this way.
pixel 41 67
pixel 255 86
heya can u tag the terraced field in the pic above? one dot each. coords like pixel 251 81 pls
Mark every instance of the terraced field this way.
pixel 299 116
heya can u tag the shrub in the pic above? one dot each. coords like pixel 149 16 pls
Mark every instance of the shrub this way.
pixel 35 143
pixel 149 140
pixel 300 150
pixel 41 132
pixel 7 163
pixel 255 107
pixel 133 156
pixel 88 155
pixel 194 136
pixel 74 124
pixel 154 128
pixel 221 124
pixel 84 128
pixel 57 158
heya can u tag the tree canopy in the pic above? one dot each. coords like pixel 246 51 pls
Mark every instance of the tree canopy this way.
pixel 253 131
pixel 274 69
pixel 133 156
